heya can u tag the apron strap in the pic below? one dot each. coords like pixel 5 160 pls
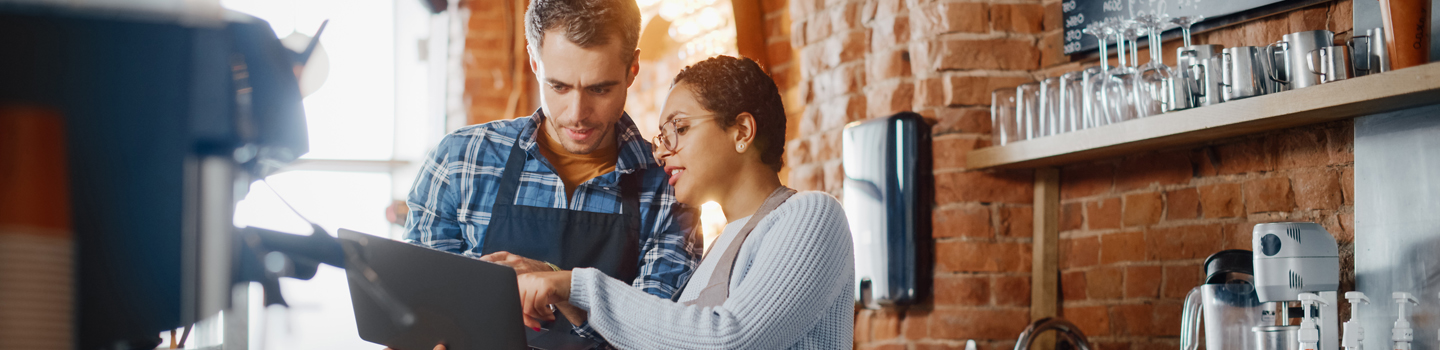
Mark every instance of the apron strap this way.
pixel 510 178
pixel 718 288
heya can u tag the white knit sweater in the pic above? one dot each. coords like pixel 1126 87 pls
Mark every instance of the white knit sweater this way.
pixel 790 289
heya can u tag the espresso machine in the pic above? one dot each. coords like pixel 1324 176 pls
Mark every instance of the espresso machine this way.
pixel 1297 261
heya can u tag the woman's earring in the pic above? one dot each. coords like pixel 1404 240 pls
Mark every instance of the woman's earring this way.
pixel 740 147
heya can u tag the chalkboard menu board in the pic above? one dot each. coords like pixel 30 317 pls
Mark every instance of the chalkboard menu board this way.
pixel 1079 13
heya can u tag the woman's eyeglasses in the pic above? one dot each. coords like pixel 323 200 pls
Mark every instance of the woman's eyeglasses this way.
pixel 671 131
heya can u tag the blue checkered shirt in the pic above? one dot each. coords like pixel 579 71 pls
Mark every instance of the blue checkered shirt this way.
pixel 452 198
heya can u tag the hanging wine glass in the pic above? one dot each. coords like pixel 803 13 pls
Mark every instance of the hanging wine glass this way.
pixel 1185 22
pixel 1157 81
pixel 1096 108
pixel 1120 89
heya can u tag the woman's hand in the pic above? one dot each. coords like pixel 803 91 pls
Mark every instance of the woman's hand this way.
pixel 522 265
pixel 540 289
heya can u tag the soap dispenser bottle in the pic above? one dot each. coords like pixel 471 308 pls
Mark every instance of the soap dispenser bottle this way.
pixel 1402 334
pixel 1309 332
pixel 1354 334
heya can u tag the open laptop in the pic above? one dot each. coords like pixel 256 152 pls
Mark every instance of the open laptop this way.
pixel 409 297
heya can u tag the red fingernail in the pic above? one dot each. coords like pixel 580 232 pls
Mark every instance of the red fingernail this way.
pixel 535 328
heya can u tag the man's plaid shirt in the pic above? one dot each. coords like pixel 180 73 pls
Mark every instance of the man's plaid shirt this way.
pixel 451 200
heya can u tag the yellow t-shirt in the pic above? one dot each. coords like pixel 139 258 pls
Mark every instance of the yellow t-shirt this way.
pixel 575 169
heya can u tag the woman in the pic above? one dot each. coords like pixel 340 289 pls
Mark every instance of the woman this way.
pixel 789 280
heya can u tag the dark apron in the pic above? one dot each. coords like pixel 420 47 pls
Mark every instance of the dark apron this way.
pixel 567 238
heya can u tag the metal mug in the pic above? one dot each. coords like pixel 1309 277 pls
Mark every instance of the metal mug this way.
pixel 1202 76
pixel 1331 64
pixel 1294 49
pixel 1277 337
pixel 1241 72
pixel 1371 57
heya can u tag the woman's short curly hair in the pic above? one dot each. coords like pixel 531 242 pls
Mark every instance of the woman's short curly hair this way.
pixel 728 86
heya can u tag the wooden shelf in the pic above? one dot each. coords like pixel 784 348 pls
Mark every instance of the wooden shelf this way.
pixel 1371 94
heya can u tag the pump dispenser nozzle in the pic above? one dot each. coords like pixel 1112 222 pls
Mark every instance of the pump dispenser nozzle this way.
pixel 1309 333
pixel 1402 334
pixel 1354 334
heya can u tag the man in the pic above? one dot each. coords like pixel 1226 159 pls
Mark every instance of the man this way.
pixel 574 184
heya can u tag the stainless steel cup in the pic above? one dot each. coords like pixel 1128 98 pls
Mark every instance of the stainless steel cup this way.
pixel 1241 72
pixel 1202 76
pixel 1372 56
pixel 1294 49
pixel 1277 337
pixel 1329 63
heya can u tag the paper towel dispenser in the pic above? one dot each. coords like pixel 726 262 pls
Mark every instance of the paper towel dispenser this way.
pixel 888 195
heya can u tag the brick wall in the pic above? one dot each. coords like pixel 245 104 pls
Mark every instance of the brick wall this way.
pixel 494 41
pixel 1134 229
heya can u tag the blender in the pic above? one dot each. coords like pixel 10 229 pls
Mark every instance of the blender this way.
pixel 1298 261
pixel 1226 303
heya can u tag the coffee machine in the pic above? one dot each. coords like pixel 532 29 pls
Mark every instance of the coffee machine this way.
pixel 1294 259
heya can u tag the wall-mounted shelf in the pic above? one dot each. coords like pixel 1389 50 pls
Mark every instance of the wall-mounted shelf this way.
pixel 1394 90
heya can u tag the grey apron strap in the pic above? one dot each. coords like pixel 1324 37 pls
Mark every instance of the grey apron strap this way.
pixel 718 289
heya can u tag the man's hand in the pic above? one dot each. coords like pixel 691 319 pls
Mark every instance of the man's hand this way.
pixel 539 290
pixel 522 265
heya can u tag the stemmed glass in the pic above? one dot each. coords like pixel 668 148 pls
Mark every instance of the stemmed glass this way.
pixel 1121 92
pixel 1185 22
pixel 1188 79
pixel 1097 105
pixel 1157 81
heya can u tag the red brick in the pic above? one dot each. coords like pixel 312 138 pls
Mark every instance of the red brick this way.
pixel 884 346
pixel 1184 242
pixel 845 17
pixel 962 290
pixel 1243 157
pixel 1269 194
pixel 978 323
pixel 779 52
pixel 982 257
pixel 1094 321
pixel 964 221
pixel 1012 290
pixel 1122 246
pixel 862 325
pixel 885 325
pixel 973 186
pixel 975 90
pixel 1142 209
pixel 890 8
pixel 915 324
pixel 834 175
pixel 1221 201
pixel 946 17
pixel 1072 216
pixel 798 29
pixel 773 6
pixel 1017 222
pixel 1053 18
pixel 889 32
pixel 1167 316
pixel 840 111
pixel 1072 286
pixel 826 146
pixel 950 152
pixel 1105 283
pixel 1017 18
pixel 1052 49
pixel 807 178
pixel 1143 281
pixel 929 93
pixel 1103 214
pixel 1341 143
pixel 1080 252
pixel 851 46
pixel 1347 184
pixel 888 64
pixel 1143 171
pixel 1086 180
pixel 1299 148
pixel 958 54
pixel 1133 319
pixel 1182 204
pixel 961 120
pixel 1317 189
pixel 1180 279
pixel 797 152
pixel 840 81
pixel 889 98
pixel 817 28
